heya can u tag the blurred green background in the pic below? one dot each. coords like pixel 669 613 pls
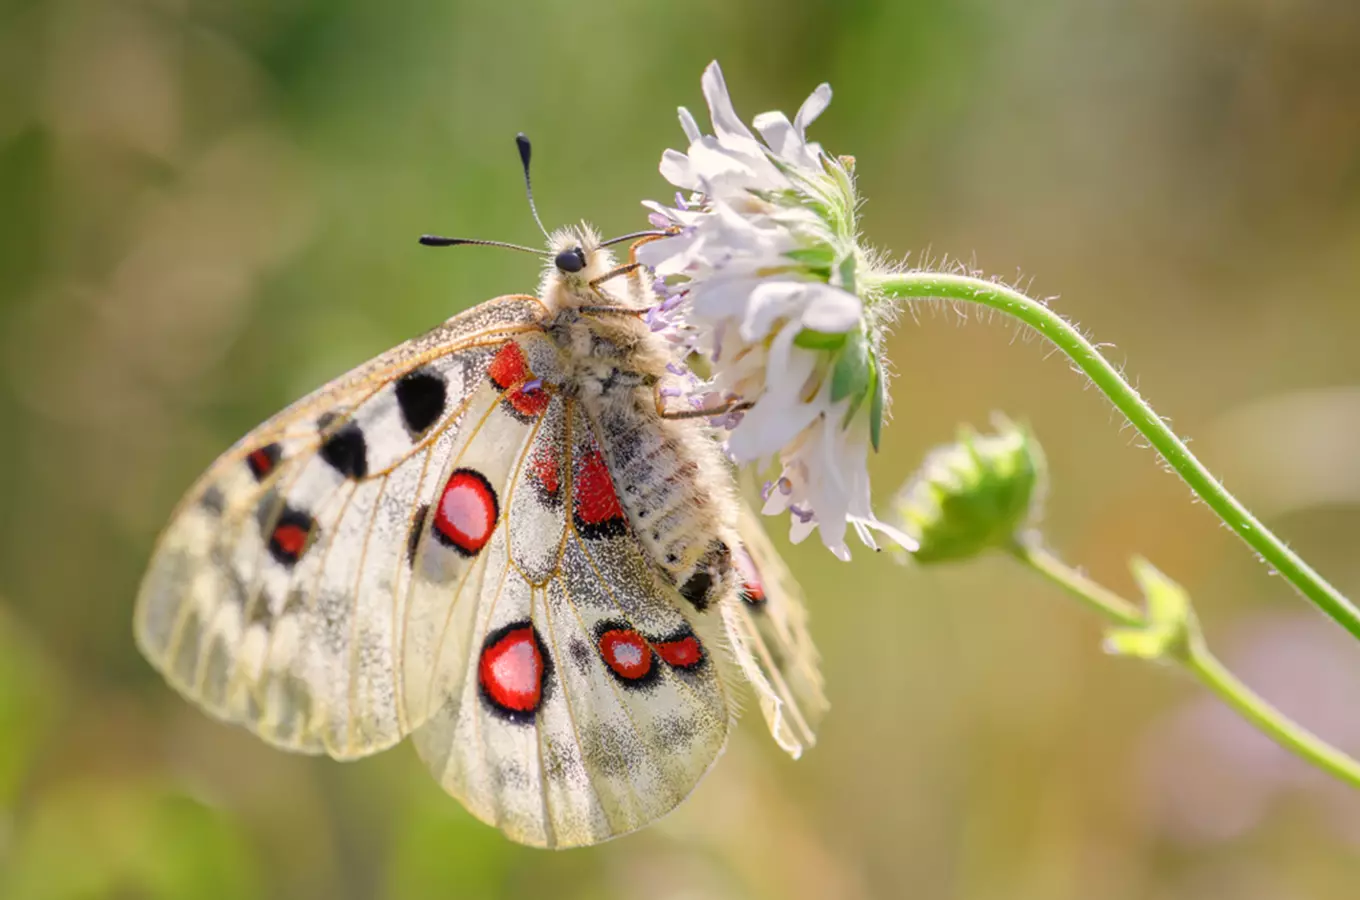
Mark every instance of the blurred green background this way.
pixel 207 207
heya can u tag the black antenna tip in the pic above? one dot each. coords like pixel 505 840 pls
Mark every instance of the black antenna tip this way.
pixel 434 240
pixel 522 142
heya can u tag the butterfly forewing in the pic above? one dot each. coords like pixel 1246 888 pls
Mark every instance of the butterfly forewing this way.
pixel 272 595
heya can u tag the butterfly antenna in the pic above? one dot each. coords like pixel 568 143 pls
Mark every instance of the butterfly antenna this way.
pixel 522 142
pixel 636 234
pixel 434 240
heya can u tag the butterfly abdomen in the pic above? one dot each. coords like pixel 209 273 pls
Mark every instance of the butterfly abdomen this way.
pixel 668 474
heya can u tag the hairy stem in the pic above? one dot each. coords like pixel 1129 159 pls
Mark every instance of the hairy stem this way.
pixel 1127 400
pixel 1198 661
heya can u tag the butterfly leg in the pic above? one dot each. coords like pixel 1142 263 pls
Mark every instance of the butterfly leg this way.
pixel 721 409
pixel 614 273
pixel 612 308
pixel 639 283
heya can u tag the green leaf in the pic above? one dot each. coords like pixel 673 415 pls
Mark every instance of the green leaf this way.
pixel 1171 627
pixel 850 376
pixel 820 340
pixel 1140 643
pixel 876 408
pixel 1167 601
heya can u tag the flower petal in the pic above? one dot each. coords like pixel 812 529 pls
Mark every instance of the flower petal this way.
pixel 812 107
pixel 678 170
pixel 778 133
pixel 769 302
pixel 832 310
pixel 726 123
pixel 688 123
pixel 720 298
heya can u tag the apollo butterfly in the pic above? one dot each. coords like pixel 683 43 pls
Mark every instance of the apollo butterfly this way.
pixel 497 540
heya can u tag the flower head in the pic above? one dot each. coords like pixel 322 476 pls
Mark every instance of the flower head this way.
pixel 764 278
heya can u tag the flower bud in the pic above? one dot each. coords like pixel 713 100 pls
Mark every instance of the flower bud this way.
pixel 981 492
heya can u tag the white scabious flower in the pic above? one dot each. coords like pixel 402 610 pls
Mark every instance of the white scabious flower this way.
pixel 765 278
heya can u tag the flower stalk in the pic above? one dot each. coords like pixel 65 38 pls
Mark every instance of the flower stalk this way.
pixel 1128 401
pixel 1194 657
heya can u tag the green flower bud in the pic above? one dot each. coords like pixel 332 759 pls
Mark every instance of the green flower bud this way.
pixel 982 492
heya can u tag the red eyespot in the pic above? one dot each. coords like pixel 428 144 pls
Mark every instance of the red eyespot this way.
pixel 466 513
pixel 683 653
pixel 626 653
pixel 511 671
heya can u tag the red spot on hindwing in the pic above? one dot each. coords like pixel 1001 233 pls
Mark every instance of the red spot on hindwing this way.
pixel 467 511
pixel 683 652
pixel 752 587
pixel 509 371
pixel 626 653
pixel 512 671
pixel 595 504
pixel 545 471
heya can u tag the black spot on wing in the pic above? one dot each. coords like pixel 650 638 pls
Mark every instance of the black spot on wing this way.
pixel 346 451
pixel 421 395
pixel 213 500
pixel 581 657
pixel 417 528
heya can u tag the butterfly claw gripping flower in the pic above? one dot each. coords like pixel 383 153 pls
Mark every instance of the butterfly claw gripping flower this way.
pixel 763 278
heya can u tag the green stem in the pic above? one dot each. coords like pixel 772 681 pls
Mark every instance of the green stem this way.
pixel 1197 660
pixel 1099 598
pixel 1127 400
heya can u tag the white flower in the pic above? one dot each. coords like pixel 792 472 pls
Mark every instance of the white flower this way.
pixel 760 278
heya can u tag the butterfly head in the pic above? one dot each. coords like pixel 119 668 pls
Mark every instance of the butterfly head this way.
pixel 576 260
pixel 575 254
pixel 576 257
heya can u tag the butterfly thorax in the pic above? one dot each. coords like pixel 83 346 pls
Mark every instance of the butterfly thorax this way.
pixel 669 473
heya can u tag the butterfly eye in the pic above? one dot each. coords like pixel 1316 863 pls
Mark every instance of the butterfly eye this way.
pixel 573 260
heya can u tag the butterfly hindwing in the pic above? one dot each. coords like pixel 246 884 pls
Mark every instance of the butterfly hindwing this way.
pixel 586 702
pixel 767 626
pixel 273 595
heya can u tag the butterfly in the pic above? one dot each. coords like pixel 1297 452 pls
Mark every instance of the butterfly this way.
pixel 497 540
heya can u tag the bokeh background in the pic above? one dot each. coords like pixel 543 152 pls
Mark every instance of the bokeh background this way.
pixel 207 207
